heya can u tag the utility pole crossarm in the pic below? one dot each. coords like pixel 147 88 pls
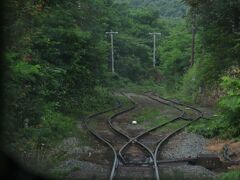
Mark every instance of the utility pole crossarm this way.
pixel 155 33
pixel 111 34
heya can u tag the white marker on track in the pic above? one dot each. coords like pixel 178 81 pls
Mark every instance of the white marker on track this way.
pixel 134 122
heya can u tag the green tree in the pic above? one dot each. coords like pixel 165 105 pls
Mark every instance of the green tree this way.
pixel 175 54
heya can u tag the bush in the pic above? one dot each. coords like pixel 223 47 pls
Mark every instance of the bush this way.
pixel 115 81
pixel 59 125
pixel 54 126
pixel 91 103
pixel 210 128
pixel 227 123
pixel 232 175
pixel 200 79
pixel 230 103
pixel 190 84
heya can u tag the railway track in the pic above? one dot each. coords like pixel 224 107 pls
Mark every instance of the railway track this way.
pixel 198 116
pixel 128 144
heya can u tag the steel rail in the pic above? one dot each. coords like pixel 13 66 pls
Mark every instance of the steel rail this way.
pixel 105 141
pixel 124 134
pixel 181 104
pixel 164 140
pixel 135 139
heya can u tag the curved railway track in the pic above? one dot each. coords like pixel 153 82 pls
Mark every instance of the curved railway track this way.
pixel 103 140
pixel 119 158
pixel 165 139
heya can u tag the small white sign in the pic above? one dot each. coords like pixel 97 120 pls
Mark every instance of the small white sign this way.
pixel 134 122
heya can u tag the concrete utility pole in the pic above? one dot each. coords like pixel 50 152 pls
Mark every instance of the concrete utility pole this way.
pixel 193 45
pixel 111 34
pixel 154 47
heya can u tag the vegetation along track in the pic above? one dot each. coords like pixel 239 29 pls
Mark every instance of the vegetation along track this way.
pixel 150 156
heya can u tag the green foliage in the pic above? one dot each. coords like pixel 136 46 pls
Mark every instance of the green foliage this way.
pixel 21 69
pixel 231 86
pixel 115 81
pixel 199 77
pixel 101 99
pixel 216 44
pixel 147 115
pixel 131 68
pixel 50 56
pixel 59 124
pixel 230 103
pixel 52 127
pixel 231 175
pixel 211 128
pixel 166 8
pixel 226 124
pixel 133 44
pixel 26 70
pixel 144 86
pixel 175 54
pixel 56 56
pixel 218 27
pixel 190 84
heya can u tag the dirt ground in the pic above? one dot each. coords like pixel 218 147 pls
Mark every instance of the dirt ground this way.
pixel 216 146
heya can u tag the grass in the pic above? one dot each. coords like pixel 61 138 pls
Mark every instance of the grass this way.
pixel 102 99
pixel 172 126
pixel 147 114
pixel 150 117
pixel 159 89
pixel 143 87
pixel 231 175
pixel 125 104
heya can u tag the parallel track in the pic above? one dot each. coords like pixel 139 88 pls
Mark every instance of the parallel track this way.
pixel 164 140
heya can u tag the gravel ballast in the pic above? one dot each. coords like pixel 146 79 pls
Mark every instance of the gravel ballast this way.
pixel 184 145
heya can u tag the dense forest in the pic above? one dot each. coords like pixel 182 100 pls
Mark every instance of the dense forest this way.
pixel 57 62
pixel 167 8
